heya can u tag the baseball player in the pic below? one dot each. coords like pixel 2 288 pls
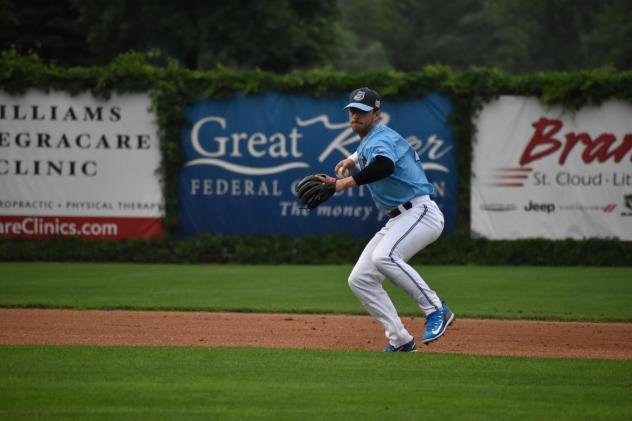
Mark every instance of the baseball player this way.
pixel 394 175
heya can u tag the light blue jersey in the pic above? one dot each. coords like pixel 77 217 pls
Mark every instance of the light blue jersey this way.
pixel 407 181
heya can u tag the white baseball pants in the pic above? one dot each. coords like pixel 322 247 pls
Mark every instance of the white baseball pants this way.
pixel 386 256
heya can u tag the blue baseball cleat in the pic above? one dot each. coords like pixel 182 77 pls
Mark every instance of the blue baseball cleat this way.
pixel 437 323
pixel 447 314
pixel 408 347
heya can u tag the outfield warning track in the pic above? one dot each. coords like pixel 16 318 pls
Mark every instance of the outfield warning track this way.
pixel 308 331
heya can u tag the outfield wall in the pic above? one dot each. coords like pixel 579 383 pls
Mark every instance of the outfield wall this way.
pixel 79 166
pixel 182 156
pixel 547 173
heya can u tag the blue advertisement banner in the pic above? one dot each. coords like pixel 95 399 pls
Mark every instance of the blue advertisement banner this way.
pixel 245 154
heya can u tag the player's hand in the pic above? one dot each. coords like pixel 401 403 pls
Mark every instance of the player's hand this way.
pixel 344 168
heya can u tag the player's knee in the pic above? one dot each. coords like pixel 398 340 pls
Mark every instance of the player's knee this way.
pixel 382 262
pixel 354 281
pixel 359 280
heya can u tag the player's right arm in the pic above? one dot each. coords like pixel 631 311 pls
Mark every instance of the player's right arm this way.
pixel 381 167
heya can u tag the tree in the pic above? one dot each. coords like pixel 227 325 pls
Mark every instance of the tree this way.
pixel 536 35
pixel 359 27
pixel 609 42
pixel 276 35
pixel 457 33
pixel 518 36
pixel 280 35
pixel 46 27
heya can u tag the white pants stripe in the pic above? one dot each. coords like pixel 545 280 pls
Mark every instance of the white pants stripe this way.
pixel 386 256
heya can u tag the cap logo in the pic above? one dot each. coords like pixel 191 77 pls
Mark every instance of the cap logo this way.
pixel 359 96
pixel 377 103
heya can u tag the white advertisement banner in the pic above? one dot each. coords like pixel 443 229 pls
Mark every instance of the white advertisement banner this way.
pixel 79 165
pixel 549 173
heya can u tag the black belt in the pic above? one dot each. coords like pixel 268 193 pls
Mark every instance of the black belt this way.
pixel 396 212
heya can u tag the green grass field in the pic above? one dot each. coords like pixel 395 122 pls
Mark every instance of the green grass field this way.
pixel 549 293
pixel 234 384
pixel 76 382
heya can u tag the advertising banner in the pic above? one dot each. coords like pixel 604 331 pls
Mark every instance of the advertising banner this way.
pixel 548 173
pixel 245 154
pixel 79 166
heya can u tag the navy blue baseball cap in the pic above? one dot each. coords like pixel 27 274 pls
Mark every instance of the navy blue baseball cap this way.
pixel 364 99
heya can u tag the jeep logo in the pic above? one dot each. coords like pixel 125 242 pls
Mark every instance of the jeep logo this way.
pixel 540 207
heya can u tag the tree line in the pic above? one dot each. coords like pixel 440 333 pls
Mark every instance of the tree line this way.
pixel 518 36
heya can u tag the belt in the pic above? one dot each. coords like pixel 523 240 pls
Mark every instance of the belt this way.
pixel 398 210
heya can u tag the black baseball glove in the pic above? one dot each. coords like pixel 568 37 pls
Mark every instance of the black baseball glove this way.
pixel 315 189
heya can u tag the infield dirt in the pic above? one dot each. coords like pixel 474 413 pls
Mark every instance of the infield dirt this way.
pixel 159 328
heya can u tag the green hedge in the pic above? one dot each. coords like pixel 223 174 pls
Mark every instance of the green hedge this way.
pixel 172 88
pixel 457 248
